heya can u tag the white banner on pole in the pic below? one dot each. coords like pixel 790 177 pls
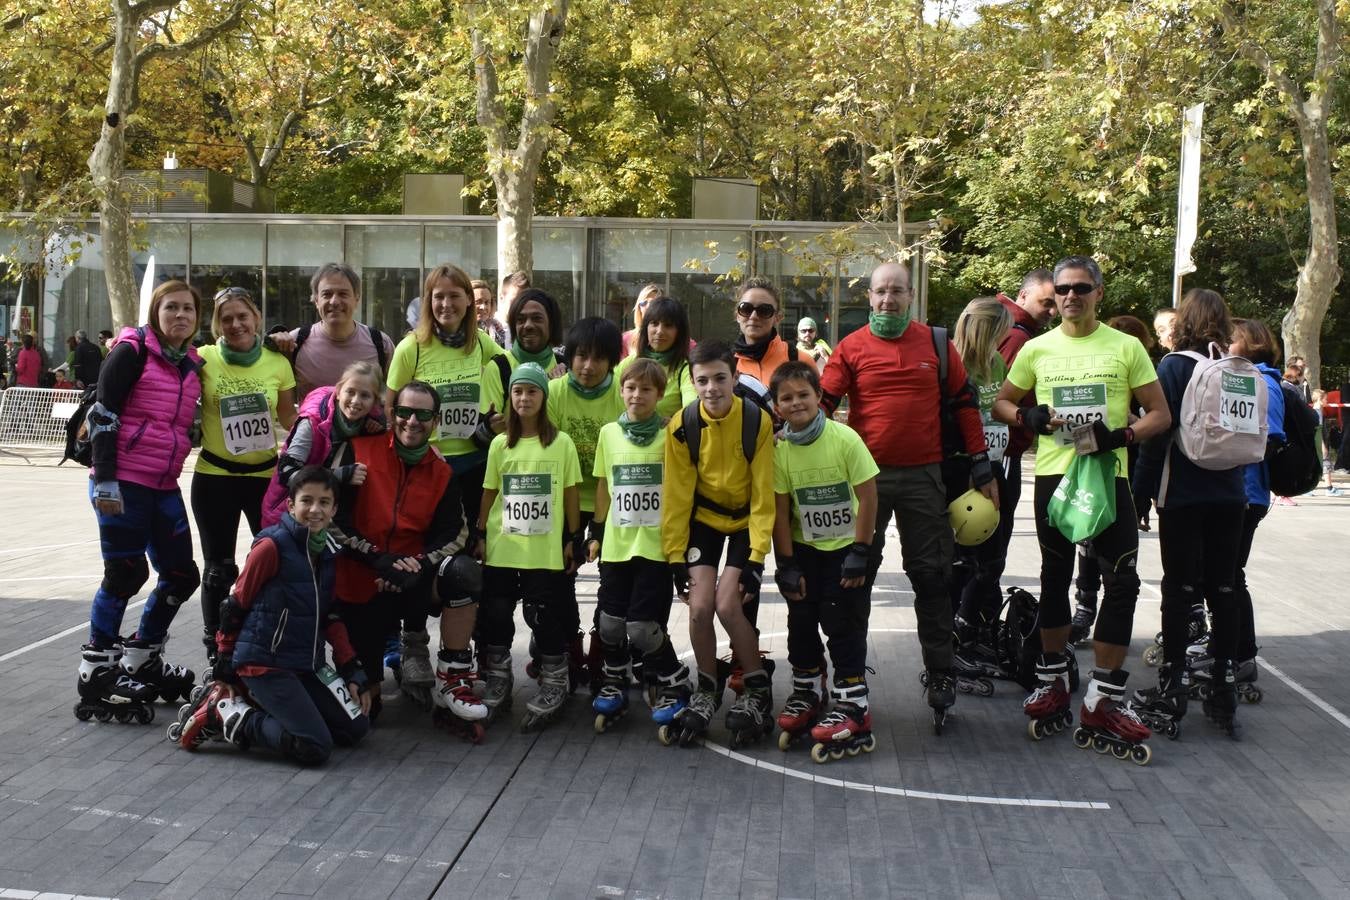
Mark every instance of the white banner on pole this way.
pixel 1188 196
pixel 147 289
pixel 18 309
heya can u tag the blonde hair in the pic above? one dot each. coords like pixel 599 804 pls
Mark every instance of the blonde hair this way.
pixel 157 300
pixel 648 370
pixel 981 327
pixel 651 290
pixel 362 369
pixel 235 294
pixel 426 320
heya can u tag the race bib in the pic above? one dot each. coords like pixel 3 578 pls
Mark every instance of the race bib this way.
pixel 635 495
pixel 459 410
pixel 1077 404
pixel 527 504
pixel 826 512
pixel 338 688
pixel 996 436
pixel 1237 404
pixel 246 424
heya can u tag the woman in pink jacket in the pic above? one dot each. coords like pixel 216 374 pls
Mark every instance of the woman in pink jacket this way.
pixel 28 366
pixel 140 429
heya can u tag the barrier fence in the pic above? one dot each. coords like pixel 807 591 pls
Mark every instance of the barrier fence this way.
pixel 36 417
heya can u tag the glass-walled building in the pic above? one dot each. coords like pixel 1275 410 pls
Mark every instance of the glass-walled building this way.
pixel 593 266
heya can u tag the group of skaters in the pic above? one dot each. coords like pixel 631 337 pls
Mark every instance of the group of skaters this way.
pixel 465 471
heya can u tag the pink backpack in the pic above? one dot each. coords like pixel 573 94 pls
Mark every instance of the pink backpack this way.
pixel 1223 412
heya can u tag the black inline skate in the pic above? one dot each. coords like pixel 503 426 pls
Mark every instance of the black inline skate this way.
pixel 1244 678
pixel 494 663
pixel 1220 705
pixel 143 661
pixel 554 689
pixel 751 716
pixel 691 723
pixel 1163 707
pixel 847 729
pixel 1197 632
pixel 939 685
pixel 972 671
pixel 1084 614
pixel 107 692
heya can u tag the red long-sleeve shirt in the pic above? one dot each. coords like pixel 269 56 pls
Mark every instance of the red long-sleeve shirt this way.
pixel 1024 329
pixel 893 396
pixel 259 568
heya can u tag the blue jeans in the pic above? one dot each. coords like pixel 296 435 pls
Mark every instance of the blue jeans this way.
pixel 298 717
pixel 152 524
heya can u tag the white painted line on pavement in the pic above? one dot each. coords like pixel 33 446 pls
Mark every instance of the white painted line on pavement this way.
pixel 19 551
pixel 56 637
pixel 1308 695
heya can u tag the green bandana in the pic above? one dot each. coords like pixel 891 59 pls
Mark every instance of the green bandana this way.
pixel 889 325
pixel 543 359
pixel 590 393
pixel 411 456
pixel 662 356
pixel 317 541
pixel 640 433
pixel 343 427
pixel 808 434
pixel 236 358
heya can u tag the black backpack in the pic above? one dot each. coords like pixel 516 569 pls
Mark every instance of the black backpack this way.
pixel 691 433
pixel 1295 463
pixel 1019 641
pixel 376 337
pixel 79 447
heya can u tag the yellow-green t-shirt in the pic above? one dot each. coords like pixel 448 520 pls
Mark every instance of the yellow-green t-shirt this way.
pixel 995 432
pixel 526 522
pixel 582 419
pixel 635 478
pixel 457 374
pixel 819 478
pixel 239 405
pixel 679 389
pixel 1082 379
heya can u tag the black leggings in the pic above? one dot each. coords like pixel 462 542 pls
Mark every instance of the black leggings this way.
pixel 1115 549
pixel 1200 547
pixel 550 609
pixel 976 570
pixel 1242 597
pixel 842 613
pixel 217 503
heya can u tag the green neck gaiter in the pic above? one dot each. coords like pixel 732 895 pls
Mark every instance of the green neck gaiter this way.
pixel 411 456
pixel 662 356
pixel 589 393
pixel 889 325
pixel 343 427
pixel 235 358
pixel 543 359
pixel 317 541
pixel 640 433
pixel 174 354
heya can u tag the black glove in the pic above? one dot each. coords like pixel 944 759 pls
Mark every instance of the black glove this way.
pixel 598 535
pixel 483 434
pixel 752 576
pixel 1109 439
pixel 223 669
pixel 981 472
pixel 1036 418
pixel 855 564
pixel 352 673
pixel 679 574
pixel 384 568
pixel 787 575
pixel 578 542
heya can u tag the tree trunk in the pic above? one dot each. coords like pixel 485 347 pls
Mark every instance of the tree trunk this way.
pixel 1321 272
pixel 515 235
pixel 105 168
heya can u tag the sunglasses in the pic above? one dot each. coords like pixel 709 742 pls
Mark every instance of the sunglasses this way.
pixel 764 310
pixel 421 415
pixel 1081 288
pixel 227 293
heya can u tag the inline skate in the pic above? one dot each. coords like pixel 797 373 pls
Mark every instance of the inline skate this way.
pixel 802 708
pixel 846 729
pixel 751 716
pixel 107 692
pixel 1197 632
pixel 554 689
pixel 143 661
pixel 498 679
pixel 197 720
pixel 972 671
pixel 691 723
pixel 1050 705
pixel 1220 703
pixel 1108 724
pixel 671 695
pixel 611 700
pixel 939 686
pixel 418 676
pixel 1244 678
pixel 1162 708
pixel 456 707
pixel 1084 614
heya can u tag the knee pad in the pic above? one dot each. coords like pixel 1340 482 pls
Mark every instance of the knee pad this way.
pixel 219 577
pixel 611 629
pixel 303 751
pixel 459 581
pixel 177 585
pixel 645 636
pixel 533 611
pixel 124 577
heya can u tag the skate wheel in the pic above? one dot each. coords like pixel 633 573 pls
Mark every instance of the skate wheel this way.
pixel 145 715
pixel 103 715
pixel 1140 754
pixel 664 736
pixel 837 754
pixel 1120 751
pixel 83 713
pixel 986 687
pixel 601 723
pixel 1151 655
pixel 820 753
pixel 923 679
pixel 869 744
pixel 174 732
pixel 1082 738
pixel 853 750
pixel 1035 731
pixel 784 740
pixel 123 716
pixel 1252 696
pixel 1173 731
pixel 1101 744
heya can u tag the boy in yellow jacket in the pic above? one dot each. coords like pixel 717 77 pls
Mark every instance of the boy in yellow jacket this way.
pixel 719 493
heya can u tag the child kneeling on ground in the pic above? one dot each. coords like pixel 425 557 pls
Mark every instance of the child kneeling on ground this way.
pixel 826 494
pixel 296 703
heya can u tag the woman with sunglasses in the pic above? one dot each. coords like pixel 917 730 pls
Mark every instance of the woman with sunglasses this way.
pixel 759 349
pixel 245 387
pixel 448 351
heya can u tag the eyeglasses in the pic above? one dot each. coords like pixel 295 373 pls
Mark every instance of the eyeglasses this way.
pixel 806 331
pixel 763 310
pixel 1081 288
pixel 421 415
pixel 227 293
pixel 892 291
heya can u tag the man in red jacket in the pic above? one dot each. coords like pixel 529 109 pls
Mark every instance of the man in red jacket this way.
pixel 889 372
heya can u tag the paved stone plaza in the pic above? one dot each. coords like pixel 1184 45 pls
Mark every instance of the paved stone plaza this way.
pixel 981 811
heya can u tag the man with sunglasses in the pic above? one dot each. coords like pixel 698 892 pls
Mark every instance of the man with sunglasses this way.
pixel 890 372
pixel 1084 375
pixel 810 343
pixel 404 531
